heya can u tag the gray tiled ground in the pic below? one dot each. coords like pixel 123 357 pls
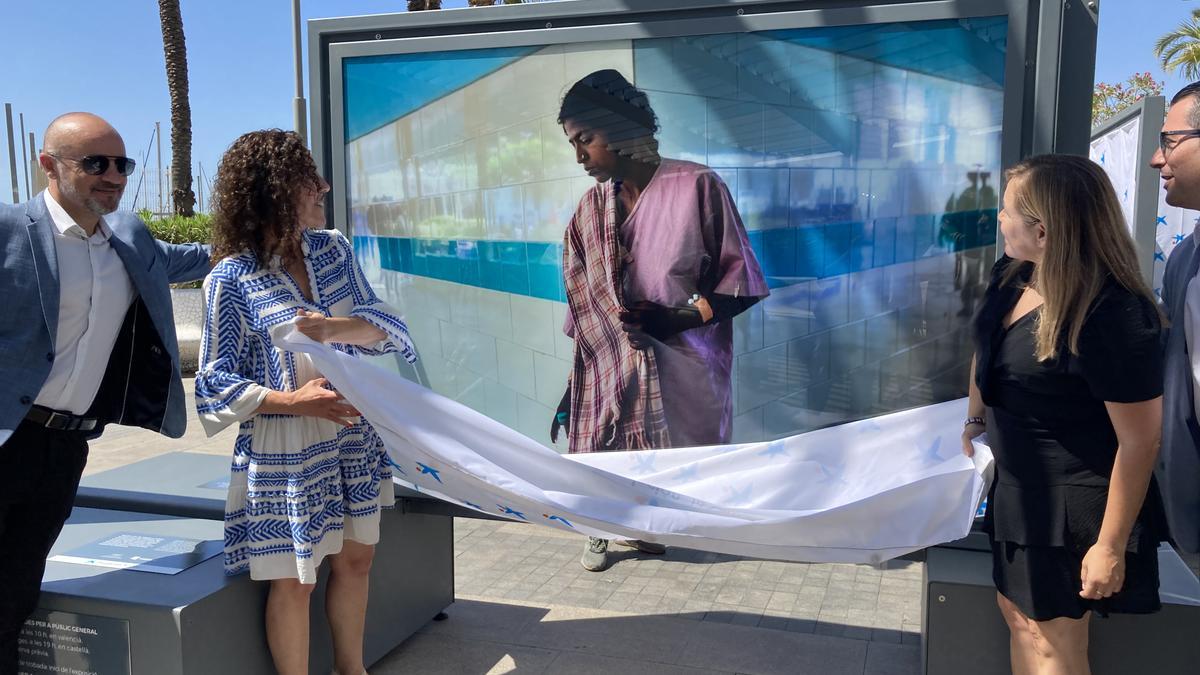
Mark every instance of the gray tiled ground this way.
pixel 516 563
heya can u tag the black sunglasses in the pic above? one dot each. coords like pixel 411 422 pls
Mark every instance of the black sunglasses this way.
pixel 1164 138
pixel 96 165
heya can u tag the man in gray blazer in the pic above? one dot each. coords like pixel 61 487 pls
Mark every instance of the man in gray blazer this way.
pixel 86 339
pixel 1178 470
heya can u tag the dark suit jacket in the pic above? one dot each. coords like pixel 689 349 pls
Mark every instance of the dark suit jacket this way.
pixel 1178 468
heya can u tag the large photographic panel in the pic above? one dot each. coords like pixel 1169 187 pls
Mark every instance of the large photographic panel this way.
pixel 861 164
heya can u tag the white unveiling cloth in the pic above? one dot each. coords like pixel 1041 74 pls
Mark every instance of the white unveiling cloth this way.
pixel 861 492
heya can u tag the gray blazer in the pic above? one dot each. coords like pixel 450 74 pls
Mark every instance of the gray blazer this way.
pixel 141 385
pixel 1178 468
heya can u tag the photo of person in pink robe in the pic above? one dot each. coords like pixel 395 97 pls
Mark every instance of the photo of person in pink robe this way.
pixel 656 264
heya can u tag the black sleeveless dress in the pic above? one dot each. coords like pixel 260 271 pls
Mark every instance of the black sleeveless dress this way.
pixel 1055 447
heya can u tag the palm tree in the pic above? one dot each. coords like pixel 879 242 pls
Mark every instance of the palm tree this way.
pixel 422 5
pixel 175 55
pixel 1180 49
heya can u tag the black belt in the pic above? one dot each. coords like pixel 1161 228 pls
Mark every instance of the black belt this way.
pixel 59 421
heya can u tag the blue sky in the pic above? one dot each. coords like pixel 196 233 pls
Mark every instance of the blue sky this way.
pixel 107 58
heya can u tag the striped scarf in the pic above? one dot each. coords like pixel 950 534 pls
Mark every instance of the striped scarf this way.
pixel 616 397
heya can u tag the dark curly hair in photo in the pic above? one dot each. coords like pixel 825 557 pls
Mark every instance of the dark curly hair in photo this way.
pixel 255 193
pixel 605 100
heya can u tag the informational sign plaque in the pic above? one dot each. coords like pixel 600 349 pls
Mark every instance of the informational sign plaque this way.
pixel 142 552
pixel 74 644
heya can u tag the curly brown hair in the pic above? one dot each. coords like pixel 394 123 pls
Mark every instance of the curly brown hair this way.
pixel 254 197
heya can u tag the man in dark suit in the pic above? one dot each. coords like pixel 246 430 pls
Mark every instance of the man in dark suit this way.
pixel 86 339
pixel 1178 470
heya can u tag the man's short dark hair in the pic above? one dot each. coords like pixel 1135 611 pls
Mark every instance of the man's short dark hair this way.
pixel 1191 91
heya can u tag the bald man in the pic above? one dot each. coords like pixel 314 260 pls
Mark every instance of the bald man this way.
pixel 86 339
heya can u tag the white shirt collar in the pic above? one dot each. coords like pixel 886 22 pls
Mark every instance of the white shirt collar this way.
pixel 66 225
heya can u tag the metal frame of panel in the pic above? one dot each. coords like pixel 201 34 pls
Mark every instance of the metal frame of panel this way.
pixel 1046 108
pixel 1145 200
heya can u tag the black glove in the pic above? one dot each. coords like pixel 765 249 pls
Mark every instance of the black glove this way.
pixel 645 322
pixel 561 416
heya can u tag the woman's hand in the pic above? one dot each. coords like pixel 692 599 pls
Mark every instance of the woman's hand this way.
pixel 314 400
pixel 970 432
pixel 314 325
pixel 1103 572
pixel 349 330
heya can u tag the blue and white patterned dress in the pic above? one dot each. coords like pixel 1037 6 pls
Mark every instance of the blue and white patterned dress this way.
pixel 299 485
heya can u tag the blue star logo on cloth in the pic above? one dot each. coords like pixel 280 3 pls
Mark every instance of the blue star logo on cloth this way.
pixel 643 462
pixel 832 473
pixel 429 470
pixel 560 519
pixel 737 496
pixel 775 449
pixel 508 511
pixel 1158 255
pixel 931 454
pixel 473 505
pixel 1102 158
pixel 687 473
pixel 396 466
pixel 1162 220
pixel 1179 238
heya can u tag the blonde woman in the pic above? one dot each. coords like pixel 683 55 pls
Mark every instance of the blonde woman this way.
pixel 1067 382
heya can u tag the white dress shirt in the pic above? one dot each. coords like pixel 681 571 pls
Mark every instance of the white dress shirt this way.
pixel 94 294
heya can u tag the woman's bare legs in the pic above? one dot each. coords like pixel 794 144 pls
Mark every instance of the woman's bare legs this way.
pixel 346 605
pixel 1054 647
pixel 287 625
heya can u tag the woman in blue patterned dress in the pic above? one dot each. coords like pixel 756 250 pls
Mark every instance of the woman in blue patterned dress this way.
pixel 309 475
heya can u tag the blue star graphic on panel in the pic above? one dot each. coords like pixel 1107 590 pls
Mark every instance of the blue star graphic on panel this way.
pixel 429 470
pixel 1102 158
pixel 512 512
pixel 1162 220
pixel 775 449
pixel 832 474
pixel 1179 238
pixel 737 496
pixel 687 472
pixel 560 519
pixel 1158 255
pixel 473 505
pixel 643 462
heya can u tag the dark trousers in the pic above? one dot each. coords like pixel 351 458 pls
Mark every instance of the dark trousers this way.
pixel 39 473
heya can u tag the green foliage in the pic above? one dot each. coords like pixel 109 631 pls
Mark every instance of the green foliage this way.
pixel 1179 50
pixel 1110 99
pixel 180 229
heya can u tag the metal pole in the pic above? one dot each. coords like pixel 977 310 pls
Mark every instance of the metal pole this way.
pixel 12 154
pixel 24 153
pixel 200 187
pixel 158 144
pixel 299 106
pixel 170 192
pixel 32 163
